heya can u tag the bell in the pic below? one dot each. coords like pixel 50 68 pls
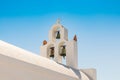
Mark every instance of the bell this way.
pixel 58 35
pixel 52 52
pixel 63 53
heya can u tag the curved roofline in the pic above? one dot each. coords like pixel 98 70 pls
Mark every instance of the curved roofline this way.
pixel 29 57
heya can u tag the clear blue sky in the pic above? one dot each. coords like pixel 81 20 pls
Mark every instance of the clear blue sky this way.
pixel 25 23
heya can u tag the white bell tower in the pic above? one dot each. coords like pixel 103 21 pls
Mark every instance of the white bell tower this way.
pixel 59 46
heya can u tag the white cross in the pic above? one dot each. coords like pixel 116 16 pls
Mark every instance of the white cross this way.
pixel 58 21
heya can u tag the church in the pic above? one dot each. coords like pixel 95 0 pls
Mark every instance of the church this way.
pixel 58 59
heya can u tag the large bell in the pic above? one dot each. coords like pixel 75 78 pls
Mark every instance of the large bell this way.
pixel 63 53
pixel 58 35
pixel 52 52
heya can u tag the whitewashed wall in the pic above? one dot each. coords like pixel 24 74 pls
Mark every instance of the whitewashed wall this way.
pixel 12 69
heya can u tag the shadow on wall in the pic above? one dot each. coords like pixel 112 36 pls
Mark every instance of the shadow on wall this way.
pixel 76 71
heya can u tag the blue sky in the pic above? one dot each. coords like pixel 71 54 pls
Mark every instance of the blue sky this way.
pixel 26 23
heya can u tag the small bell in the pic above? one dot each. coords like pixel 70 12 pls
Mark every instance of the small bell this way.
pixel 52 52
pixel 58 35
pixel 63 54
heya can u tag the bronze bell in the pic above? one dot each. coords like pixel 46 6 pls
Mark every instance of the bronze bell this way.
pixel 52 52
pixel 63 53
pixel 58 35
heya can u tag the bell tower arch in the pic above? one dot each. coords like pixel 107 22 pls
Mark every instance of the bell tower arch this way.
pixel 59 46
pixel 58 32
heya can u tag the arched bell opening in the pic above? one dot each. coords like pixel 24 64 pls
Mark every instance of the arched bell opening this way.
pixel 51 51
pixel 56 33
pixel 62 52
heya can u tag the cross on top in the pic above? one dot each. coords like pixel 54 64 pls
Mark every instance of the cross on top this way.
pixel 58 21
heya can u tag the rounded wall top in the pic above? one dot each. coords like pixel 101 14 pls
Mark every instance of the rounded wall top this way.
pixel 57 26
pixel 58 32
